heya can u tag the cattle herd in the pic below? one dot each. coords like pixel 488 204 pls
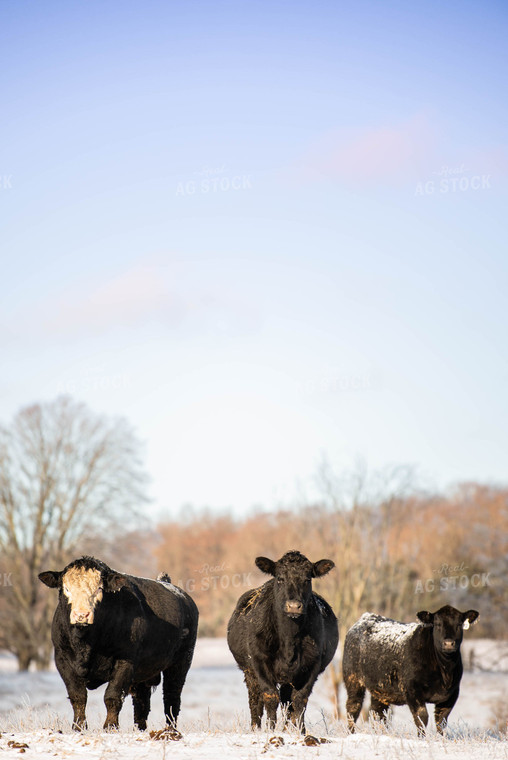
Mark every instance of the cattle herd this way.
pixel 131 632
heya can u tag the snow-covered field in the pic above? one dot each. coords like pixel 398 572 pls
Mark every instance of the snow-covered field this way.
pixel 214 721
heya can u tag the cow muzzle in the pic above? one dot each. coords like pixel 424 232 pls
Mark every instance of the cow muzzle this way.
pixel 449 645
pixel 84 617
pixel 294 608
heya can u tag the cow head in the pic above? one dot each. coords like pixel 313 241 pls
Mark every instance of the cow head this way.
pixel 448 625
pixel 82 584
pixel 293 575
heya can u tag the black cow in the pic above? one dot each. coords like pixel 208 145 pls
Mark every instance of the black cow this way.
pixel 283 635
pixel 116 628
pixel 405 664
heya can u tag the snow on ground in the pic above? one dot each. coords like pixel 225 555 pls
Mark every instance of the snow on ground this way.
pixel 214 721
pixel 46 744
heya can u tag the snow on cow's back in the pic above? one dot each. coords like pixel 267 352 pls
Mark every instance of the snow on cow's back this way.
pixel 165 580
pixel 371 630
pixel 165 605
pixel 174 589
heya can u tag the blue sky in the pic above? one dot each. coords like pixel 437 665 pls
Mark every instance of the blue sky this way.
pixel 261 232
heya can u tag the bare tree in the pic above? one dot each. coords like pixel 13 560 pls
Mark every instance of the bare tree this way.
pixel 65 473
pixel 358 513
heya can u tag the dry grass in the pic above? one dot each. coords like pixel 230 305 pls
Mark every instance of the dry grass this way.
pixel 499 710
pixel 214 738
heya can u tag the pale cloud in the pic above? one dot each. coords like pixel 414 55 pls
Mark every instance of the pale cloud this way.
pixel 127 299
pixel 385 153
pixel 146 293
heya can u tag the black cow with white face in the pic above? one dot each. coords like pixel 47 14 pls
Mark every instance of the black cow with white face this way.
pixel 283 635
pixel 125 631
pixel 406 664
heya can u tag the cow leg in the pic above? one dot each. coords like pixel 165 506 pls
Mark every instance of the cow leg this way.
pixel 300 697
pixel 285 693
pixel 118 687
pixel 76 691
pixel 443 709
pixel 78 695
pixel 420 717
pixel 299 703
pixel 379 709
pixel 141 701
pixel 268 689
pixel 271 702
pixel 255 699
pixel 354 702
pixel 173 679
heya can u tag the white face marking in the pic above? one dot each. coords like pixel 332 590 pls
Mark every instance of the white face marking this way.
pixel 83 589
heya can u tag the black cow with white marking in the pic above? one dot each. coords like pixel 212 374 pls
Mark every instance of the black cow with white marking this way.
pixel 405 664
pixel 283 635
pixel 114 628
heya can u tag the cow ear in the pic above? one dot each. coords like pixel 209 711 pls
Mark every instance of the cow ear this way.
pixel 51 578
pixel 266 565
pixel 322 567
pixel 425 617
pixel 114 582
pixel 470 617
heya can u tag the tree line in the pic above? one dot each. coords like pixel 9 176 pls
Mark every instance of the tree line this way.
pixel 72 483
pixel 395 557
